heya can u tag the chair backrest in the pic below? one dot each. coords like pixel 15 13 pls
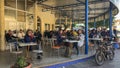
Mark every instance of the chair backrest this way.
pixel 13 47
pixel 6 45
pixel 44 40
pixel 49 42
pixel 53 41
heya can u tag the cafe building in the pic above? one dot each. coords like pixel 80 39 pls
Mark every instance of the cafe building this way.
pixel 51 15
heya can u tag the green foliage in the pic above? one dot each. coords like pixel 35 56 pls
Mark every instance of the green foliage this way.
pixel 73 25
pixel 21 62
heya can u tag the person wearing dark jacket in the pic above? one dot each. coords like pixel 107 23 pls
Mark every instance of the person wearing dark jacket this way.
pixel 59 37
pixel 38 35
pixel 10 38
pixel 29 37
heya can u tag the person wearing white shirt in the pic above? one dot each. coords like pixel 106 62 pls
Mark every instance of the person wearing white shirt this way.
pixel 80 41
pixel 81 37
pixel 21 35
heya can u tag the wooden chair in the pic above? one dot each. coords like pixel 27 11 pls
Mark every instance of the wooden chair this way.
pixel 91 47
pixel 55 47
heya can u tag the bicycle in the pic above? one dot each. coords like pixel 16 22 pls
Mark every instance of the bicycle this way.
pixel 104 52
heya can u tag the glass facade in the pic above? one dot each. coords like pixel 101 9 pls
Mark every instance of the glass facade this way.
pixel 19 13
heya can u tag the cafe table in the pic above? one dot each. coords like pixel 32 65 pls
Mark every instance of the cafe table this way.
pixel 68 51
pixel 95 41
pixel 28 46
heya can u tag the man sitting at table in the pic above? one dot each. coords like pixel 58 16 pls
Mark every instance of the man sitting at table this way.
pixel 75 34
pixel 10 38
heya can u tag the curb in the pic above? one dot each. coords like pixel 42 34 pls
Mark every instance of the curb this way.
pixel 69 63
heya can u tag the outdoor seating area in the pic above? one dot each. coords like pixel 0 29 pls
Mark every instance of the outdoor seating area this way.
pixel 60 47
pixel 58 33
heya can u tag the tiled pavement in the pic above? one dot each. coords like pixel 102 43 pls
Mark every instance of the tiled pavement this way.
pixel 7 59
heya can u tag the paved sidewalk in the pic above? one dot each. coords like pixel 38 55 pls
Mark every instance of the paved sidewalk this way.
pixel 7 59
pixel 91 63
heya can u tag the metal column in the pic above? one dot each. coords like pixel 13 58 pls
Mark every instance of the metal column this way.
pixel 104 20
pixel 110 20
pixel 86 26
pixel 94 23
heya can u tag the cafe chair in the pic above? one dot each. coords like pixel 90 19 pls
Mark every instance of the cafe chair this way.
pixel 15 49
pixel 45 43
pixel 91 47
pixel 55 48
pixel 7 45
pixel 82 48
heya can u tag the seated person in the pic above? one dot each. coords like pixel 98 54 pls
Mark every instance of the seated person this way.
pixel 21 35
pixel 38 36
pixel 10 38
pixel 29 37
pixel 60 38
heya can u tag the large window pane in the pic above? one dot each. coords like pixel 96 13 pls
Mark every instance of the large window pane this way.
pixel 21 4
pixel 10 14
pixel 10 3
pixel 30 6
pixel 21 17
pixel 10 19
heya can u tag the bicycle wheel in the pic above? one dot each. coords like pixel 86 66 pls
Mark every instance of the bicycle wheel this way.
pixel 99 58
pixel 112 54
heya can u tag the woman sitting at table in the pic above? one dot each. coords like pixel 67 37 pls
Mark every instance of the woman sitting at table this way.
pixel 29 37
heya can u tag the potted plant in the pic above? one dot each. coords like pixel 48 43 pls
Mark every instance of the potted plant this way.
pixel 21 63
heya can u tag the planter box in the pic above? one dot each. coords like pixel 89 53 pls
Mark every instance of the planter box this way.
pixel 29 66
